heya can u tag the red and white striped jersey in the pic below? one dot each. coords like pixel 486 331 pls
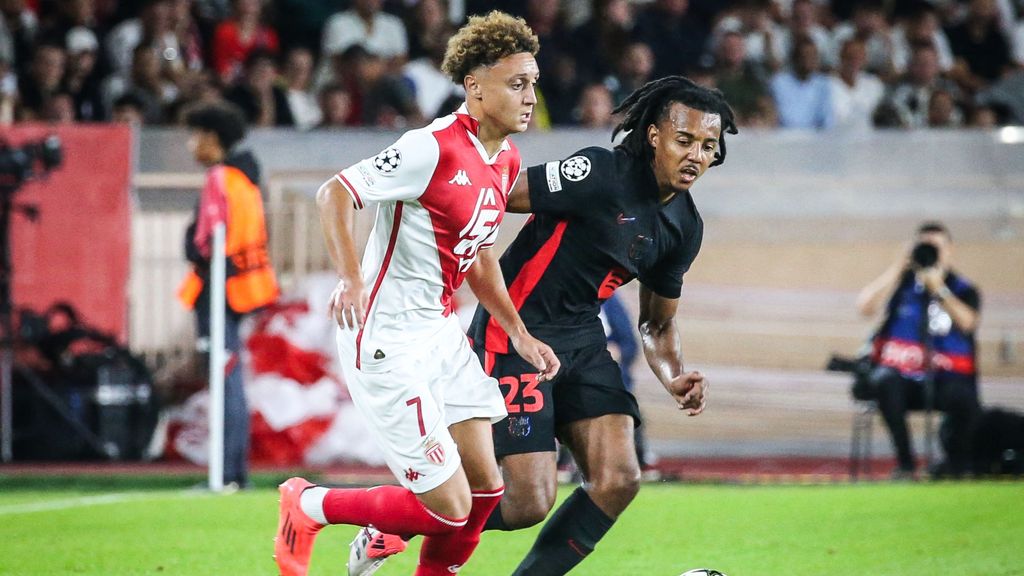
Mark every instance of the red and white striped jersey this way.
pixel 440 199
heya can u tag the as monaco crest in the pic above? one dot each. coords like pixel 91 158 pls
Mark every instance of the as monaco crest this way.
pixel 434 452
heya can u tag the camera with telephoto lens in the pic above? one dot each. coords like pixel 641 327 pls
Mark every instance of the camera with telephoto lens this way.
pixel 924 255
pixel 31 159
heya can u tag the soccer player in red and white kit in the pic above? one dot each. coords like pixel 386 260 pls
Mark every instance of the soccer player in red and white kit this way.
pixel 440 193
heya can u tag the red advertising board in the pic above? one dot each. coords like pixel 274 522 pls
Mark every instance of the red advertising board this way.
pixel 78 251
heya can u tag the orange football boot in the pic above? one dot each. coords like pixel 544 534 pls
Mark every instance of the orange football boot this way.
pixel 293 544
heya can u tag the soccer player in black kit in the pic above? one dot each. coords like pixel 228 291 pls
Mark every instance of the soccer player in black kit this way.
pixel 600 219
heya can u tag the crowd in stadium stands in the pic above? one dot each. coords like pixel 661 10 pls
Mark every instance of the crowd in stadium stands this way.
pixel 819 64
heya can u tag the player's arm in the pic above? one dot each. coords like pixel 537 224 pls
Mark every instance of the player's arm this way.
pixel 488 284
pixel 663 350
pixel 519 197
pixel 563 188
pixel 337 215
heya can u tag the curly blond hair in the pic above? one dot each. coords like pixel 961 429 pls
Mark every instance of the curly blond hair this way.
pixel 484 40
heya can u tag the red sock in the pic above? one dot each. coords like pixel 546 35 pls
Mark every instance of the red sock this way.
pixel 390 509
pixel 439 553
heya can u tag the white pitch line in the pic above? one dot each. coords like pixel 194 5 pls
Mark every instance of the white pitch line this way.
pixel 83 501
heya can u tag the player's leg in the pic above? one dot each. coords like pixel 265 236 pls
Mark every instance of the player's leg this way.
pixel 598 416
pixel 439 554
pixel 524 443
pixel 434 497
pixel 604 450
pixel 531 484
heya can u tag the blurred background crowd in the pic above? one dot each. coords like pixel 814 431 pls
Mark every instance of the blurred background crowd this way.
pixel 823 64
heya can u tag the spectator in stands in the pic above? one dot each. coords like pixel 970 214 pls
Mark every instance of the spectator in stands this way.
pixel 379 33
pixel 238 37
pixel 633 69
pixel 298 76
pixel 335 106
pixel 594 109
pixel 129 109
pixel 943 111
pixel 921 27
pixel 65 15
pixel 432 88
pixel 982 52
pixel 855 93
pixel 43 81
pixel 804 23
pixel 803 97
pixel 230 196
pixel 674 36
pixel 1005 99
pixel 146 82
pixel 258 95
pixel 59 109
pixel 929 310
pixel 8 86
pixel 377 97
pixel 870 27
pixel 764 37
pixel 191 43
pixel 599 42
pixel 743 82
pixel 907 103
pixel 427 23
pixel 81 79
pixel 18 29
pixel 154 25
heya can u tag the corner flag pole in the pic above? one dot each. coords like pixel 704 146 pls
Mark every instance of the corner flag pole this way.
pixel 218 360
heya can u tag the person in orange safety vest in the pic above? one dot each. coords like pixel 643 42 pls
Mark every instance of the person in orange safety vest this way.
pixel 231 196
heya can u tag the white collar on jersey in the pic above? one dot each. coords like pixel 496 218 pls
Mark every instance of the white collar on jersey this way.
pixel 472 127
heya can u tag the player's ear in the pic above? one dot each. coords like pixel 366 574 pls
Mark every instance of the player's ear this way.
pixel 472 87
pixel 652 136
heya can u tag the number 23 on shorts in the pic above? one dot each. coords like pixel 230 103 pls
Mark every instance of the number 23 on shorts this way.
pixel 521 394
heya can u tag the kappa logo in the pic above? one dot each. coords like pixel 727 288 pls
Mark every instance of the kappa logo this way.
pixel 460 179
pixel 388 161
pixel 576 168
pixel 412 475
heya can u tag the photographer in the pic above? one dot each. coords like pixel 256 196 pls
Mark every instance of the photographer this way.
pixel 931 312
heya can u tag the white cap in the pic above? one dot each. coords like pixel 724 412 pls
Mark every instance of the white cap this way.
pixel 81 39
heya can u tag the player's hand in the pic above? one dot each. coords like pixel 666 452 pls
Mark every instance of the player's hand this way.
pixel 690 391
pixel 348 303
pixel 539 354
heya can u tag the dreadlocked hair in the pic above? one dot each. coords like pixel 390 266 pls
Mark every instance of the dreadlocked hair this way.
pixel 648 104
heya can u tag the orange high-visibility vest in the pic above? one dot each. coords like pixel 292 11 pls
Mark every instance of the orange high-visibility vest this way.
pixel 251 282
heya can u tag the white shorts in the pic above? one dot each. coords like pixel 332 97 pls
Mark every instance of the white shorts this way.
pixel 409 406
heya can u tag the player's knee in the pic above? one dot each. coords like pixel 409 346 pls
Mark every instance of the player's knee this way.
pixel 454 507
pixel 525 514
pixel 621 483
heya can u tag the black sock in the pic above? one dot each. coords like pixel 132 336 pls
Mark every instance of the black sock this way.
pixel 568 536
pixel 496 521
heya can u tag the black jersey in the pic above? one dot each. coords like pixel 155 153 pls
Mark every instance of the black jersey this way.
pixel 597 224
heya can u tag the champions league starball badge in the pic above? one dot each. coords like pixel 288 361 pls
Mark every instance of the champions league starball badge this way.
pixel 388 161
pixel 576 168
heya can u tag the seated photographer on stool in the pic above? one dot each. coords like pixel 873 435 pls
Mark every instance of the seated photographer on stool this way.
pixel 931 311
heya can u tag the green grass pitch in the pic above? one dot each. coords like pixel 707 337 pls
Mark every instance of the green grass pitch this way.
pixel 831 530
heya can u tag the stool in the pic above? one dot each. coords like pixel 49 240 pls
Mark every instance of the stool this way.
pixel 860 438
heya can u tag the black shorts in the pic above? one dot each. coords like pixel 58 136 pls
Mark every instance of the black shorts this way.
pixel 588 385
